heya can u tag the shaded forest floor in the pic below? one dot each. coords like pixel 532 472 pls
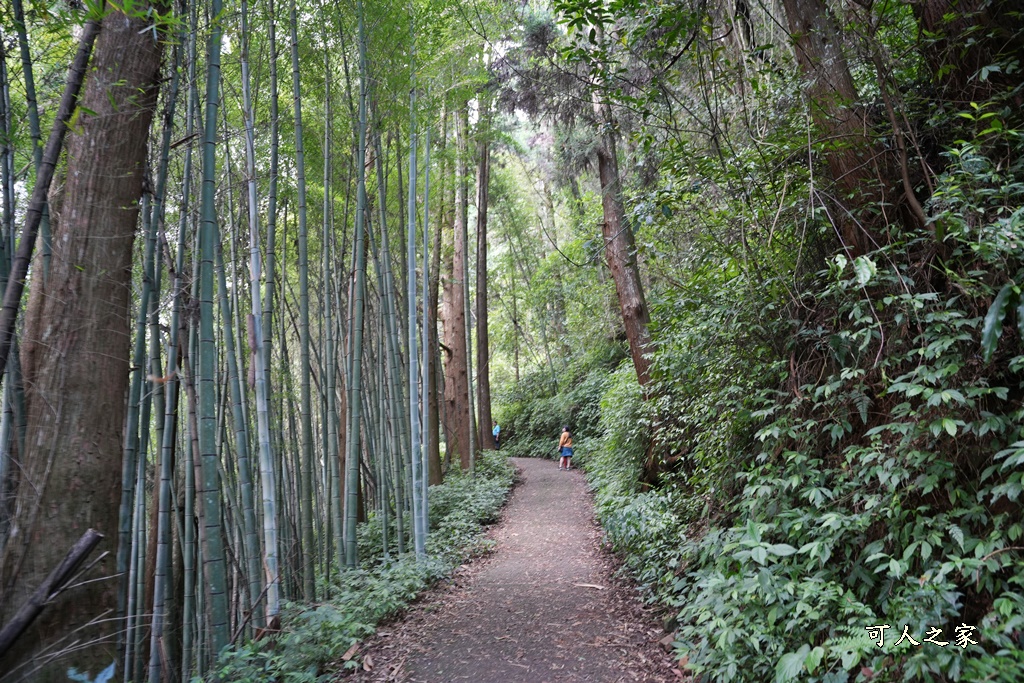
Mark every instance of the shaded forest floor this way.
pixel 544 606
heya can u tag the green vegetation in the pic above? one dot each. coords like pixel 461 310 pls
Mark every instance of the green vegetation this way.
pixel 315 637
pixel 832 436
pixel 764 259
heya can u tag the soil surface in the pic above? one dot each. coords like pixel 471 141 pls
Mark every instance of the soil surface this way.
pixel 543 606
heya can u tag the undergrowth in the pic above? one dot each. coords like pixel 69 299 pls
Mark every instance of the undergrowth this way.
pixel 314 638
pixel 533 412
pixel 841 452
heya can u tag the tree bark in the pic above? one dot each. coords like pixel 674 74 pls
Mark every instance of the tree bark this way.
pixel 851 154
pixel 620 251
pixel 433 350
pixel 75 357
pixel 956 50
pixel 483 355
pixel 453 315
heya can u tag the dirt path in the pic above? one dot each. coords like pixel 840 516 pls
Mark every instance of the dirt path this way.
pixel 543 606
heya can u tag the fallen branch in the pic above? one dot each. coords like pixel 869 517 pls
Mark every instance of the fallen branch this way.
pixel 51 587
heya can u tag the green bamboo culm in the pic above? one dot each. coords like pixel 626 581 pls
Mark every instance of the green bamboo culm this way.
pixel 331 447
pixel 399 411
pixel 415 453
pixel 355 360
pixel 306 466
pixel 250 542
pixel 35 134
pixel 268 292
pixel 165 413
pixel 185 336
pixel 131 448
pixel 386 284
pixel 245 468
pixel 214 569
pixel 466 292
pixel 132 496
pixel 256 348
pixel 425 365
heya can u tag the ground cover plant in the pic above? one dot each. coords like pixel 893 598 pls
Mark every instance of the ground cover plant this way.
pixel 314 639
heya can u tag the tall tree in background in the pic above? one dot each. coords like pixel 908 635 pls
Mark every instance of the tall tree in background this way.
pixel 851 156
pixel 620 246
pixel 431 348
pixel 457 422
pixel 75 356
pixel 483 353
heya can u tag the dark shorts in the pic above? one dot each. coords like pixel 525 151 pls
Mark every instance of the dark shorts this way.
pixel 566 452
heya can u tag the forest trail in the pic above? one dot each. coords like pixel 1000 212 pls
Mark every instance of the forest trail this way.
pixel 544 606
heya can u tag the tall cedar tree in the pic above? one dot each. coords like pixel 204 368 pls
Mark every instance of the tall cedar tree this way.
pixel 75 355
pixel 453 316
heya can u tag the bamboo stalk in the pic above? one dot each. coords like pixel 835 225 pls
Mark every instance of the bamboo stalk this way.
pixel 356 330
pixel 415 450
pixel 214 569
pixel 259 358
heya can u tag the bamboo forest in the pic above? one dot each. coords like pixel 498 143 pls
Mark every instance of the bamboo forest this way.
pixel 308 305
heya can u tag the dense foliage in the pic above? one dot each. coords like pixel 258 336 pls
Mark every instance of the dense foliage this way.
pixel 837 433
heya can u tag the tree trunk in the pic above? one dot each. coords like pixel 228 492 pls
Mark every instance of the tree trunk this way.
pixel 355 333
pixel 851 155
pixel 620 250
pixel 306 492
pixel 433 350
pixel 963 36
pixel 76 353
pixel 483 354
pixel 453 315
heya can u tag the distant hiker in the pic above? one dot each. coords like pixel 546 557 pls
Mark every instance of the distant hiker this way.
pixel 497 436
pixel 565 449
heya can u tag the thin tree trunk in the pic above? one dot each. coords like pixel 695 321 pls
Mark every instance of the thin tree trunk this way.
pixel 33 123
pixel 432 349
pixel 355 407
pixel 424 453
pixel 468 326
pixel 418 491
pixel 331 447
pixel 483 354
pixel 256 339
pixel 165 418
pixel 620 251
pixel 214 569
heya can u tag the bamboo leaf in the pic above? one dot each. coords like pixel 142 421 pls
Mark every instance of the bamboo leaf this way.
pixel 993 327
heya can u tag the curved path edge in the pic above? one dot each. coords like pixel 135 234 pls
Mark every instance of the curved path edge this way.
pixel 544 606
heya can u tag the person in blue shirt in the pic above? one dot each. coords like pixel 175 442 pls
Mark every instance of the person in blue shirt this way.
pixel 497 436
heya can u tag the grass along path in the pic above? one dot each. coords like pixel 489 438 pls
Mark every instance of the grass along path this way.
pixel 544 606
